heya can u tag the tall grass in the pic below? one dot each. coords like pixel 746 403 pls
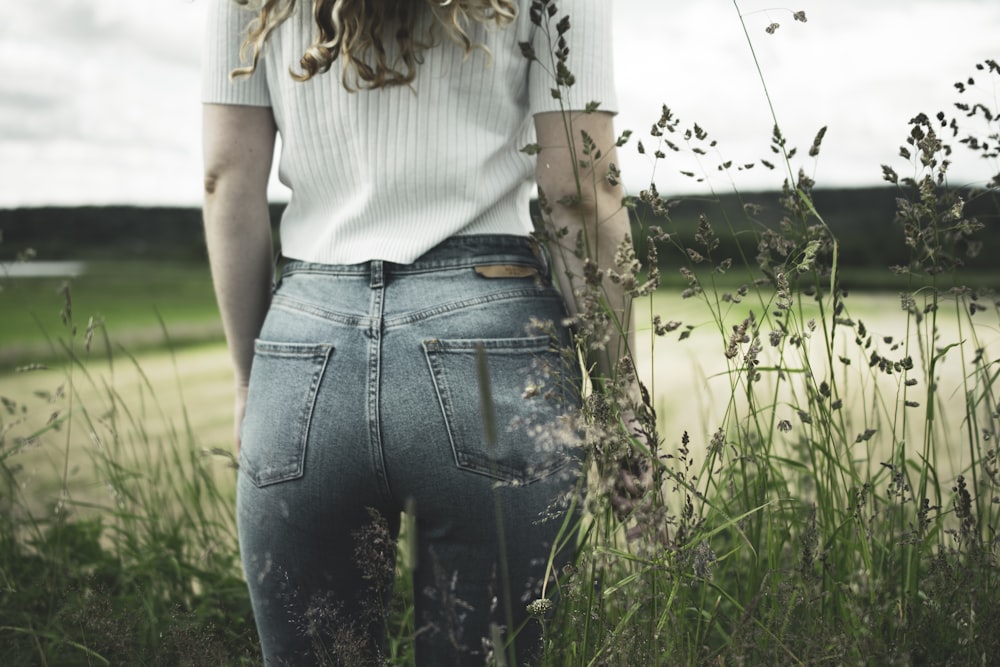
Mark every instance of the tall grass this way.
pixel 838 503
pixel 845 506
pixel 122 292
pixel 137 564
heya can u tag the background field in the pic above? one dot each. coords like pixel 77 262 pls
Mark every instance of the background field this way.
pixel 116 450
pixel 173 383
pixel 128 298
pixel 145 290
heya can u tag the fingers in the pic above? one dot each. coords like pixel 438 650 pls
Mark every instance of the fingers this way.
pixel 239 410
pixel 633 482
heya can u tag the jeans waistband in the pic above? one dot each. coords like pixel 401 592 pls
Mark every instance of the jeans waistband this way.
pixel 455 252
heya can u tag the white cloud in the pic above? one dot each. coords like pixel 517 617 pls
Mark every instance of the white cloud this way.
pixel 861 68
pixel 99 102
pixel 99 98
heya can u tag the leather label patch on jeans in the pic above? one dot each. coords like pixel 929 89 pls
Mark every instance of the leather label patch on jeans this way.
pixel 506 271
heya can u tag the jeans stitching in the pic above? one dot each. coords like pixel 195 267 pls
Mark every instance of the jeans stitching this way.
pixel 444 309
pixel 375 330
pixel 319 358
pixel 465 457
pixel 293 305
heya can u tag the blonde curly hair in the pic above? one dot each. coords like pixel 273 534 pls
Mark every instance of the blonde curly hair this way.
pixel 353 31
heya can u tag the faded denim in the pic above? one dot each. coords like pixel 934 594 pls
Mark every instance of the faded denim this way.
pixel 365 393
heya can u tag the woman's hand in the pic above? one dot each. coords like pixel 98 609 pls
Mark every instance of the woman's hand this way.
pixel 239 410
pixel 637 474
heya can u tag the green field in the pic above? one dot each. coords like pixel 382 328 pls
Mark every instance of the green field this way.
pixel 112 476
pixel 129 298
pixel 808 482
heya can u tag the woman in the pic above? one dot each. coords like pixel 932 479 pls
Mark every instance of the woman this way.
pixel 399 361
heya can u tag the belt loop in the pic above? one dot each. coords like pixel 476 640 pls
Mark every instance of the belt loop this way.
pixel 377 274
pixel 276 267
pixel 542 254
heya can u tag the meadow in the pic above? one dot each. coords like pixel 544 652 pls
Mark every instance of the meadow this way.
pixel 119 546
pixel 132 298
pixel 813 477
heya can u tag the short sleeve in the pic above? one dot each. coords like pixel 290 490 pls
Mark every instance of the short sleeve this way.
pixel 590 59
pixel 226 28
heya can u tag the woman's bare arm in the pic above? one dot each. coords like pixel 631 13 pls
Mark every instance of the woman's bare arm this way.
pixel 582 200
pixel 238 144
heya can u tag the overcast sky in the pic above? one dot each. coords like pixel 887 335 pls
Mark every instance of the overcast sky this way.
pixel 99 98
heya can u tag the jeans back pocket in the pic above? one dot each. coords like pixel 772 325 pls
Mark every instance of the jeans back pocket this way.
pixel 524 434
pixel 284 381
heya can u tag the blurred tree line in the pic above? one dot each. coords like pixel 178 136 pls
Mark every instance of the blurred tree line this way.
pixel 107 233
pixel 862 219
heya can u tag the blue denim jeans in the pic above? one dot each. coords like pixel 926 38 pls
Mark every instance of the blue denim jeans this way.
pixel 439 386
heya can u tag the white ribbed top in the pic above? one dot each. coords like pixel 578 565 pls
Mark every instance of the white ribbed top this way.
pixel 390 173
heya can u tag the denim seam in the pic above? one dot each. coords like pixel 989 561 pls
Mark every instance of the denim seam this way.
pixel 430 266
pixel 296 306
pixel 434 352
pixel 465 252
pixel 465 263
pixel 374 332
pixel 537 344
pixel 421 315
pixel 291 304
pixel 319 356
